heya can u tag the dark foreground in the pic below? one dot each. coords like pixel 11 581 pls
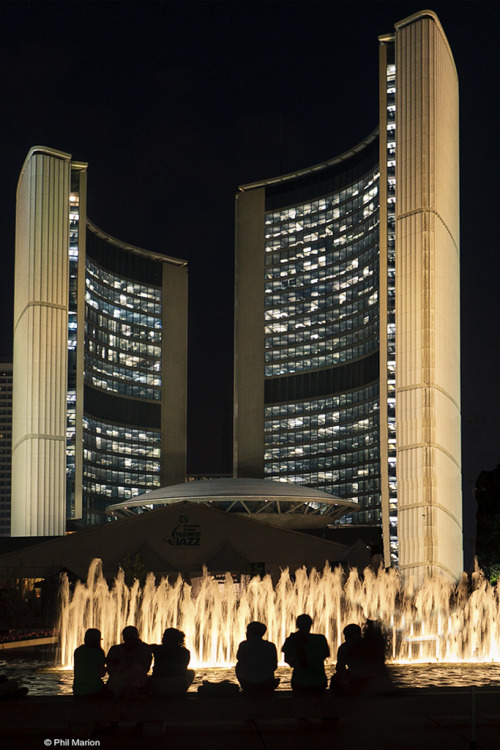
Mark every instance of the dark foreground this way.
pixel 424 719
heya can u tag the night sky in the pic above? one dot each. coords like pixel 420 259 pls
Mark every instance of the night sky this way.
pixel 175 104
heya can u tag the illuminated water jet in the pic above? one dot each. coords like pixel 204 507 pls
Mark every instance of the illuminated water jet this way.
pixel 437 622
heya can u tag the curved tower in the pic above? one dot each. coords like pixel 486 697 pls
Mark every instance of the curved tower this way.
pixel 347 315
pixel 100 339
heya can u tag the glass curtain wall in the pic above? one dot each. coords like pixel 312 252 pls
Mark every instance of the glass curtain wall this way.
pixel 123 340
pixel 321 345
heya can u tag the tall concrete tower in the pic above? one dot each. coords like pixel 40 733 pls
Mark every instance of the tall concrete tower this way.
pixel 40 345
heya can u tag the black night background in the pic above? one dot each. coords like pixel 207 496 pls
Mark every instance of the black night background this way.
pixel 174 104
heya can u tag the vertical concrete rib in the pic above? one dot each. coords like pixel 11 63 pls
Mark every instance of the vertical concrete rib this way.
pixel 427 301
pixel 248 457
pixel 40 345
pixel 174 374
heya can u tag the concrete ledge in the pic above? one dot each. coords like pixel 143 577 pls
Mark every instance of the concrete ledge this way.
pixel 50 640
pixel 33 715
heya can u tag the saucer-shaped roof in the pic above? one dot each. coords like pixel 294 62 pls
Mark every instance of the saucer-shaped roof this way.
pixel 279 503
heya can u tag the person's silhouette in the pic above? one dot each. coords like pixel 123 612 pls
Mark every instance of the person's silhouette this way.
pixel 256 660
pixel 128 665
pixel 306 653
pixel 89 667
pixel 170 670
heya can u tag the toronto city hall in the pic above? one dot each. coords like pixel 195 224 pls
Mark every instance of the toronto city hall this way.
pixel 347 348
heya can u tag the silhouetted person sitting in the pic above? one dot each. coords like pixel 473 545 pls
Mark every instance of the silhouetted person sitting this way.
pixel 256 660
pixel 350 667
pixel 376 677
pixel 306 653
pixel 128 665
pixel 170 670
pixel 89 664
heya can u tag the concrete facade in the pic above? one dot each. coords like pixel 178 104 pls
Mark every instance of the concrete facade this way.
pixel 40 345
pixel 427 300
pixel 248 443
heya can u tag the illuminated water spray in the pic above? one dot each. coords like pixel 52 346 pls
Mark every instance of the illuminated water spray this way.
pixel 438 622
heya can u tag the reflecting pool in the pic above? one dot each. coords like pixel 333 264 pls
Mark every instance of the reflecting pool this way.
pixel 43 677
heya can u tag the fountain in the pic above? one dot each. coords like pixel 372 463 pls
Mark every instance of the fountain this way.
pixel 438 622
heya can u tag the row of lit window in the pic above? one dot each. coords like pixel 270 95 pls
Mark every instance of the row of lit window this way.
pixel 70 433
pixel 123 285
pixel 124 359
pixel 95 367
pixel 283 234
pixel 335 478
pixel 305 330
pixel 121 387
pixel 108 431
pixel 121 463
pixel 299 309
pixel 322 204
pixel 337 290
pixel 319 418
pixel 343 438
pixel 336 350
pixel 315 285
pixel 324 268
pixel 321 341
pixel 353 215
pixel 283 367
pixel 122 313
pixel 123 344
pixel 124 329
pixel 338 221
pixel 332 292
pixel 301 256
pixel 363 460
pixel 317 480
pixel 117 490
pixel 281 249
pixel 119 477
pixel 122 450
pixel 391 333
pixel 333 452
pixel 120 299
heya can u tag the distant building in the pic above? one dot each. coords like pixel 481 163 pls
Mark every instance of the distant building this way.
pixel 5 445
pixel 347 343
pixel 100 339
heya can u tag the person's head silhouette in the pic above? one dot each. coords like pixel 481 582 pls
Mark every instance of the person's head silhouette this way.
pixel 304 623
